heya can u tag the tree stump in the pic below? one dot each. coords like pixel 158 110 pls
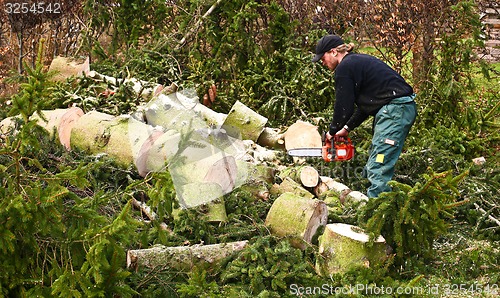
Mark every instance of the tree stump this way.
pixel 296 217
pixel 343 247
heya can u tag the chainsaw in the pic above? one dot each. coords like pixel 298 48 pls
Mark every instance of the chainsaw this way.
pixel 337 149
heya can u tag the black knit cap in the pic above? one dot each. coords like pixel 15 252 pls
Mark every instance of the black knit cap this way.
pixel 325 44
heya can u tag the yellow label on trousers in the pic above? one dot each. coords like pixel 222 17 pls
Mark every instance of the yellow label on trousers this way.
pixel 380 158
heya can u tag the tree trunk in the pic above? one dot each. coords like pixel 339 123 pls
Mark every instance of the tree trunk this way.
pixel 296 217
pixel 244 123
pixel 288 185
pixel 179 112
pixel 68 67
pixel 344 247
pixel 120 137
pixel 60 121
pixel 182 258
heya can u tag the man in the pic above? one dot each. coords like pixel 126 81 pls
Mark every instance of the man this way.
pixel 365 86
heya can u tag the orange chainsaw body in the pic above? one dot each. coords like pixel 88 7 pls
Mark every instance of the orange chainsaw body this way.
pixel 339 149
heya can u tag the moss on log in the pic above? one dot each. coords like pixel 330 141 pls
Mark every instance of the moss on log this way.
pixel 296 217
pixel 119 137
pixel 289 185
pixel 244 123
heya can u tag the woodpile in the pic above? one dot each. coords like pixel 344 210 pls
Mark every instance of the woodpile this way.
pixel 208 155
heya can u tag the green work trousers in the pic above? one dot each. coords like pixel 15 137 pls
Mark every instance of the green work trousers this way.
pixel 390 129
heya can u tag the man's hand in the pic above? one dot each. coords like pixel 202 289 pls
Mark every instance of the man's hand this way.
pixel 342 133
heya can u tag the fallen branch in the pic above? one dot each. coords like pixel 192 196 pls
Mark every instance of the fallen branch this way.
pixel 484 212
pixel 198 24
pixel 182 257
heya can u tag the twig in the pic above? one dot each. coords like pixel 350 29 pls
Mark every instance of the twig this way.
pixel 198 24
pixel 151 215
pixel 484 212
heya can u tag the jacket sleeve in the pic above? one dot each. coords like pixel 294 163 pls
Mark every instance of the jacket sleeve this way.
pixel 344 103
pixel 357 118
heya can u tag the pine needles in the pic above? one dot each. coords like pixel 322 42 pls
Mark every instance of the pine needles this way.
pixel 411 218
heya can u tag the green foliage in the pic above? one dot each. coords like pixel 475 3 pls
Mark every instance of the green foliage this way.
pixel 267 267
pixel 55 242
pixel 451 80
pixel 411 218
pixel 35 89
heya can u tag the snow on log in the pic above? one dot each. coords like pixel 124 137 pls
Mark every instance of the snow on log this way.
pixel 302 135
pixel 182 258
pixel 244 123
pixel 356 197
pixel 296 217
pixel 343 247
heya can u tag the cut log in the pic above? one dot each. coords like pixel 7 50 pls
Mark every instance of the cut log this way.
pixel 296 217
pixel 65 68
pixel 182 258
pixel 168 112
pixel 305 175
pixel 290 186
pixel 244 123
pixel 302 135
pixel 272 138
pixel 343 247
pixel 119 137
pixel 195 194
pixel 61 122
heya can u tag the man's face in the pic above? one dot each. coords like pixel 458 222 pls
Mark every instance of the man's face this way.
pixel 330 60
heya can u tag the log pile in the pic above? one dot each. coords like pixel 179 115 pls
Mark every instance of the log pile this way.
pixel 208 155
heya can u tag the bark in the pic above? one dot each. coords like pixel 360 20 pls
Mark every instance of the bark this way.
pixel 272 138
pixel 297 218
pixel 182 258
pixel 179 112
pixel 288 185
pixel 120 137
pixel 343 247
pixel 243 123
